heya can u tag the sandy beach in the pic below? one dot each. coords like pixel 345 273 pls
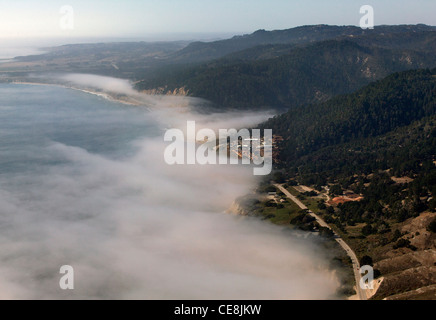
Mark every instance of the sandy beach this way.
pixel 106 95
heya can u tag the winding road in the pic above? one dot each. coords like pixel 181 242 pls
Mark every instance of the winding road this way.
pixel 361 294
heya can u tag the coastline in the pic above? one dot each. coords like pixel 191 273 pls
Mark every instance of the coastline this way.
pixel 105 95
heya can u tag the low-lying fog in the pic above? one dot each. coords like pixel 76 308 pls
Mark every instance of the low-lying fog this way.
pixel 137 228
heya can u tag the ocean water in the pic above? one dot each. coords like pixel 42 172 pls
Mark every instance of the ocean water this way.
pixel 83 183
pixel 33 117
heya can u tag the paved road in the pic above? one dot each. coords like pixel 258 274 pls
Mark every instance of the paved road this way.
pixel 356 265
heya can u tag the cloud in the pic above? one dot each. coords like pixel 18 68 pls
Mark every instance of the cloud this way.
pixel 136 228
pixel 109 84
pixel 171 111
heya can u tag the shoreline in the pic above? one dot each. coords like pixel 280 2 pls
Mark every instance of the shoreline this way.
pixel 105 95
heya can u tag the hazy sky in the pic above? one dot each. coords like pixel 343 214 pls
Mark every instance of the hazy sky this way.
pixel 139 18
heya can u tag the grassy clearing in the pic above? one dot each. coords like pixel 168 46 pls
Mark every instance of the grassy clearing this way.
pixel 279 216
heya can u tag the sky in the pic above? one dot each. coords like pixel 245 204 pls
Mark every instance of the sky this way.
pixel 179 18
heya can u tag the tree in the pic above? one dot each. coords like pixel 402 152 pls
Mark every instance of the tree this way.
pixel 377 273
pixel 402 243
pixel 432 226
pixel 330 210
pixel 270 189
pixel 271 203
pixel 326 232
pixel 368 230
pixel 336 190
pixel 366 261
pixel 397 235
pixel 278 177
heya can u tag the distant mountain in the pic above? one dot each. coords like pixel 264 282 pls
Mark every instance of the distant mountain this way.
pixel 285 76
pixel 129 60
pixel 204 51
pixel 265 70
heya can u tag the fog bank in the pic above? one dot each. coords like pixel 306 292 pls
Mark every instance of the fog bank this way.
pixel 136 228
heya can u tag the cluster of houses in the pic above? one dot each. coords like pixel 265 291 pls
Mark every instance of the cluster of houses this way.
pixel 251 148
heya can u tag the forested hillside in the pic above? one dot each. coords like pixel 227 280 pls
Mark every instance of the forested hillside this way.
pixel 379 108
pixel 258 79
pixel 360 141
